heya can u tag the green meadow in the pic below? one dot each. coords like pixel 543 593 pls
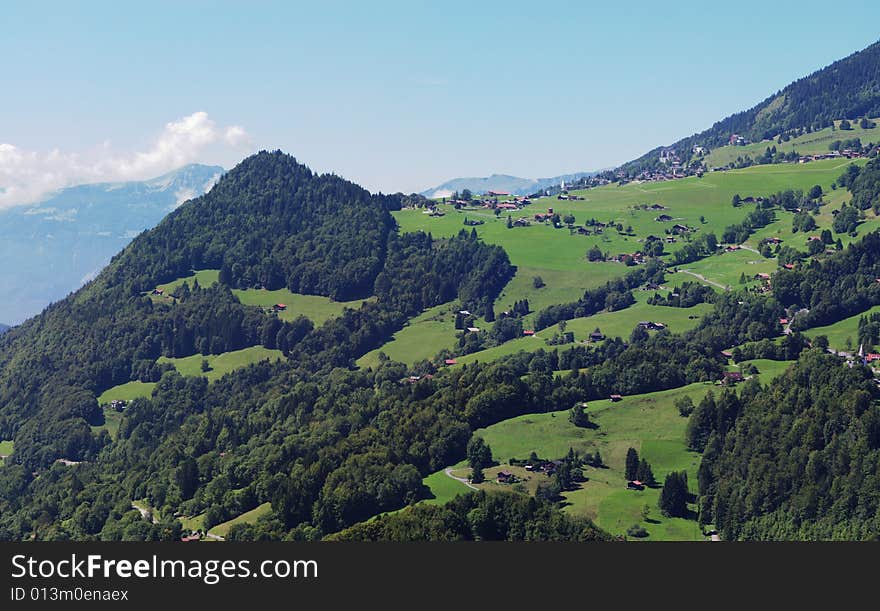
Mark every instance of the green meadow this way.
pixel 726 268
pixel 767 369
pixel 248 517
pixel 844 334
pixel 422 337
pixel 316 308
pixel 221 364
pixel 558 256
pixel 649 423
pixel 205 278
pixel 6 448
pixel 196 523
pixel 612 324
pixel 127 392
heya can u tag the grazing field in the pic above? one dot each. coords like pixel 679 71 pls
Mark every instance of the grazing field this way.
pixel 316 308
pixel 558 256
pixel 221 364
pixel 844 334
pixel 726 268
pixel 808 144
pixel 422 338
pixel 205 278
pixel 249 517
pixel 443 487
pixel 649 423
pixel 194 523
pixel 127 392
pixel 197 523
pixel 612 324
pixel 767 369
pixel 6 448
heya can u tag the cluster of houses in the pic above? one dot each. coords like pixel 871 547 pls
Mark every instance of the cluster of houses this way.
pixel 118 404
pixel 637 257
pixel 846 153
pixel 731 377
pixel 651 325
pixel 737 140
pixel 506 477
pixel 548 467
pixel 544 216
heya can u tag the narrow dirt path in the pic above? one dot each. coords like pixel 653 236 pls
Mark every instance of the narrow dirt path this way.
pixel 448 472
pixel 704 279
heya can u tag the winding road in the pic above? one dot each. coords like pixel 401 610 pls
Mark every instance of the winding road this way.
pixel 704 279
pixel 464 481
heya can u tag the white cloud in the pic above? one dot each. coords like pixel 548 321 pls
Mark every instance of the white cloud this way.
pixel 28 176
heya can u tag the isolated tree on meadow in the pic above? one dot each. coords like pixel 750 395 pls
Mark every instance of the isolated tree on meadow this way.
pixel 578 417
pixel 632 464
pixel 673 497
pixel 479 453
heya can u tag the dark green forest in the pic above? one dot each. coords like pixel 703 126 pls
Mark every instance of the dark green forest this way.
pixel 478 517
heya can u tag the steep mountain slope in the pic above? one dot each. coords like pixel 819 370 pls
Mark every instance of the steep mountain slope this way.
pixel 502 182
pixel 847 89
pixel 268 220
pixel 325 445
pixel 51 248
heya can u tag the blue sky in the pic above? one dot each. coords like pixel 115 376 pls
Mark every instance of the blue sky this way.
pixel 393 95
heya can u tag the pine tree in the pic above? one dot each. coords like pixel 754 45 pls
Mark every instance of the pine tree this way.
pixel 477 476
pixel 632 464
pixel 673 497
pixel 479 453
pixel 578 417
pixel 644 473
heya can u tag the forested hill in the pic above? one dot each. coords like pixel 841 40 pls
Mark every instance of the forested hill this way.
pixel 270 222
pixel 847 89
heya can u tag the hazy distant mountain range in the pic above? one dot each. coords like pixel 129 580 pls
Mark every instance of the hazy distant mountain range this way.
pixel 502 182
pixel 51 248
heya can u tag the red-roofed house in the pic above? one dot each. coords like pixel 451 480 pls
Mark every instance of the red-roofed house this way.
pixel 872 357
pixel 528 332
pixel 279 307
pixel 450 362
pixel 497 193
pixel 783 321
